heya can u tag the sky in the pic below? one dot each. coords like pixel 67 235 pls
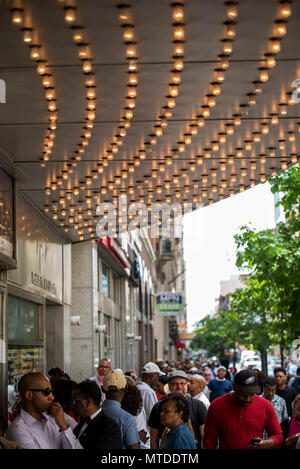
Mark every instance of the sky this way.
pixel 209 248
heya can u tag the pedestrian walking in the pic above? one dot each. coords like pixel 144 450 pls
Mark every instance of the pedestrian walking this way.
pixel 284 391
pixel 219 385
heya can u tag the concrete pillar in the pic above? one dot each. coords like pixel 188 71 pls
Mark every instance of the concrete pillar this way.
pixel 58 337
pixel 84 344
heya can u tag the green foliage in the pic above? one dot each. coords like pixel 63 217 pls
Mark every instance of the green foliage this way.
pixel 266 311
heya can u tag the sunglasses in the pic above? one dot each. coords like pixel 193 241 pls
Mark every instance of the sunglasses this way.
pixel 46 391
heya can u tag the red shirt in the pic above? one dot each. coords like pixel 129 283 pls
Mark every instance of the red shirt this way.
pixel 233 426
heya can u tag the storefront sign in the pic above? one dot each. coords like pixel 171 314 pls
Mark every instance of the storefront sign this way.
pixel 42 282
pixel 169 304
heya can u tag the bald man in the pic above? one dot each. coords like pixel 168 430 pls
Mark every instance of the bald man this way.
pixel 196 385
pixel 41 423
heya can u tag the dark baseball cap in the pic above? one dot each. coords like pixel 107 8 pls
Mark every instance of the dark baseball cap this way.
pixel 246 380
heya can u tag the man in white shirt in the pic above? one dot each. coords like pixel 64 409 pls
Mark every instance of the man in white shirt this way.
pixel 150 373
pixel 196 385
pixel 41 423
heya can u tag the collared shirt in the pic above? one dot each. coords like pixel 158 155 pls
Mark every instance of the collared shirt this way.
pixel 202 397
pixel 31 433
pixel 149 397
pixel 126 421
pixel 86 423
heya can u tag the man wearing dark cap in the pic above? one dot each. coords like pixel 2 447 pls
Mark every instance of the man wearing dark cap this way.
pixel 237 419
pixel 178 382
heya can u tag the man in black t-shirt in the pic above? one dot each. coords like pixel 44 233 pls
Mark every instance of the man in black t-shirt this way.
pixel 282 390
pixel 178 382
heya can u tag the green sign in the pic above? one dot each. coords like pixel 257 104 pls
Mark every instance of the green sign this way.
pixel 169 303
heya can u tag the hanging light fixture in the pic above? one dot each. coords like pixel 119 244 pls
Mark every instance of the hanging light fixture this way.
pixel 35 52
pixel 70 16
pixel 179 32
pixel 280 28
pixel 27 35
pixel 285 9
pixel 178 13
pixel 275 46
pixel 264 76
pixel 232 12
pixel 17 16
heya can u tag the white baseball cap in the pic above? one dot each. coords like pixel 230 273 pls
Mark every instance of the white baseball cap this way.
pixel 151 367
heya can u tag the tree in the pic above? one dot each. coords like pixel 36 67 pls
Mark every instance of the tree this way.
pixel 272 257
pixel 216 333
pixel 266 311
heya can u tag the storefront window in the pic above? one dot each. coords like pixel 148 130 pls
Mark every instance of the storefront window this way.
pixel 22 320
pixel 21 360
pixel 25 344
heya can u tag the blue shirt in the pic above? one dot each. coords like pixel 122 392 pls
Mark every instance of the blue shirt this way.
pixel 126 421
pixel 219 388
pixel 180 438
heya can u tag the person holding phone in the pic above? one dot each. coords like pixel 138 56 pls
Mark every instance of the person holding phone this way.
pixel 237 419
pixel 41 423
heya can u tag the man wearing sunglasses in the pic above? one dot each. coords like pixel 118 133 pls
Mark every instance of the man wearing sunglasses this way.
pixel 41 423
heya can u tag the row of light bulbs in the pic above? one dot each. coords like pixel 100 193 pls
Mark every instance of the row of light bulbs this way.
pixel 84 54
pixel 229 132
pixel 37 54
pixel 285 11
pixel 215 86
pixel 128 35
pixel 173 90
pixel 204 179
pixel 178 17
pixel 131 51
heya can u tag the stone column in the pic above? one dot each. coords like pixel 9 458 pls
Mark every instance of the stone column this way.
pixel 84 348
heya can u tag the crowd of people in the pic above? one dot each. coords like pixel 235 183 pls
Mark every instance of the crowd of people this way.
pixel 166 406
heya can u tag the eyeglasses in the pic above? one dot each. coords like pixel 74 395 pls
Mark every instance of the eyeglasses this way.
pixel 178 384
pixel 46 391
